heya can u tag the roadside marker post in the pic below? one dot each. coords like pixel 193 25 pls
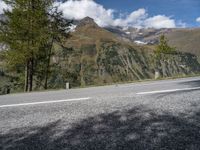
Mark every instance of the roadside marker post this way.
pixel 157 74
pixel 67 86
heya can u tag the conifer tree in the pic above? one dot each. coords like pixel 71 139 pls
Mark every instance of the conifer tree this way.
pixel 163 47
pixel 29 30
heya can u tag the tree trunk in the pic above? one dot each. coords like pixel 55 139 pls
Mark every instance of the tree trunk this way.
pixel 26 78
pixel 47 73
pixel 31 63
pixel 48 65
pixel 31 72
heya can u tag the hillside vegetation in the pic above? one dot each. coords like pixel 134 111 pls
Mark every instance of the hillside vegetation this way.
pixel 98 57
pixel 94 56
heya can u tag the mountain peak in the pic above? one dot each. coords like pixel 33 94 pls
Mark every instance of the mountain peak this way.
pixel 87 21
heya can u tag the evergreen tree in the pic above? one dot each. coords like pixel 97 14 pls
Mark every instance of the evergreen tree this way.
pixel 163 47
pixel 28 32
pixel 57 32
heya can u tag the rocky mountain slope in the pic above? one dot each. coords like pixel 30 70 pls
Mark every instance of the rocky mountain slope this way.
pixel 99 56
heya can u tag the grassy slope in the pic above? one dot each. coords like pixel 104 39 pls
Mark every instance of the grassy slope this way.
pixel 91 34
pixel 186 40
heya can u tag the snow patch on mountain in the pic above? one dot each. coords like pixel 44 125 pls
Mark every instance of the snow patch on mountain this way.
pixel 72 28
pixel 140 42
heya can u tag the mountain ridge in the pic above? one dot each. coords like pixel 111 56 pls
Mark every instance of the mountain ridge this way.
pixel 183 39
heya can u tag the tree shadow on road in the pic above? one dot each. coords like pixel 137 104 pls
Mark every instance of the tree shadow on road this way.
pixel 137 128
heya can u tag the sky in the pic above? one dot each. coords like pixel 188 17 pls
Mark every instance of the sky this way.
pixel 186 11
pixel 133 13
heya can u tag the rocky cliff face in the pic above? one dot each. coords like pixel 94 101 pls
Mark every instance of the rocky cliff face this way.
pixel 108 62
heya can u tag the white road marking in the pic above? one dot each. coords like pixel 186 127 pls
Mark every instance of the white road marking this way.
pixel 45 102
pixel 167 91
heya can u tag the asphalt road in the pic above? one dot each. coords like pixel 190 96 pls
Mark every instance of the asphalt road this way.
pixel 148 116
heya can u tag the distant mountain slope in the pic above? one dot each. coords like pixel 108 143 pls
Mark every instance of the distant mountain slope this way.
pixel 88 32
pixel 185 40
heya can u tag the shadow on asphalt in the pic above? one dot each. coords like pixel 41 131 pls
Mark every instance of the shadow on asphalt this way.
pixel 162 95
pixel 138 129
pixel 195 83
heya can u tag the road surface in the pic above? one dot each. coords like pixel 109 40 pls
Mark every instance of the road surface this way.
pixel 149 115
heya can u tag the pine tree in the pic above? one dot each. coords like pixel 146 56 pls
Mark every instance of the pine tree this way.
pixel 28 32
pixel 57 32
pixel 163 47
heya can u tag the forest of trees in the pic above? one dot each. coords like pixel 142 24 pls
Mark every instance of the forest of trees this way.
pixel 27 34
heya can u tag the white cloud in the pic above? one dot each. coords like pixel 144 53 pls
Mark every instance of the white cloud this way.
pixel 3 6
pixel 74 9
pixel 181 24
pixel 78 9
pixel 198 19
pixel 134 19
pixel 160 21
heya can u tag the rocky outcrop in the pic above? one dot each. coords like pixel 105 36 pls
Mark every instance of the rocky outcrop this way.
pixel 109 62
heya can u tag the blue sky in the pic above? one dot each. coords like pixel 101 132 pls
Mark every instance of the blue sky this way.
pixel 184 10
pixel 134 13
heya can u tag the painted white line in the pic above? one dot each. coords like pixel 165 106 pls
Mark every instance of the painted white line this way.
pixel 167 91
pixel 45 102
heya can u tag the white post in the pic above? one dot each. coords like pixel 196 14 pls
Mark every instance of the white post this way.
pixel 157 74
pixel 67 86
